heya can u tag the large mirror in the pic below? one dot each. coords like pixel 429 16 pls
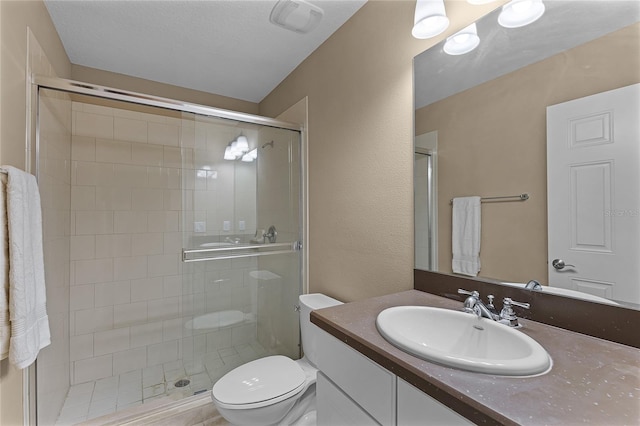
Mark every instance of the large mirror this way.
pixel 481 130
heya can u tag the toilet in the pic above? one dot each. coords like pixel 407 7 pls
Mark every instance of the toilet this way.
pixel 275 389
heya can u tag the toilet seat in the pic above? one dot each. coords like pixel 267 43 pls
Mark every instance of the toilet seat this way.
pixel 259 383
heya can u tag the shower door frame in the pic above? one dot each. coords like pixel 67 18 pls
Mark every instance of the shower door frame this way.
pixel 37 82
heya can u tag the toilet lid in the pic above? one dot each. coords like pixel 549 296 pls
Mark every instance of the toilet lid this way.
pixel 260 380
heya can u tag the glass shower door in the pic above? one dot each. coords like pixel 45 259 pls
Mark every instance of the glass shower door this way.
pixel 241 269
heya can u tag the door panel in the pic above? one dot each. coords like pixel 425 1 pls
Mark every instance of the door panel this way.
pixel 593 189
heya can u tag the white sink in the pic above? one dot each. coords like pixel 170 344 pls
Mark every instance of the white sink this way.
pixel 460 340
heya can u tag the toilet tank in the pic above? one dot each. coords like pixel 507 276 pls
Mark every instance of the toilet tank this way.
pixel 309 302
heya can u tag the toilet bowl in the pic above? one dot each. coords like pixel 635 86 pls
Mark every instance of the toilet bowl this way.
pixel 275 389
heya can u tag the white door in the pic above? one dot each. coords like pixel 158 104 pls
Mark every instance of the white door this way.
pixel 593 190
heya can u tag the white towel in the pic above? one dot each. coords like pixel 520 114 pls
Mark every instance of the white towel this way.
pixel 27 292
pixel 465 238
pixel 5 328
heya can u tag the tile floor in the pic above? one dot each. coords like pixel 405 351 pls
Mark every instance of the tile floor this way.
pixel 105 396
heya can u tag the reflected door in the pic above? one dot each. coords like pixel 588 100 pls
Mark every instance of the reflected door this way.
pixel 593 147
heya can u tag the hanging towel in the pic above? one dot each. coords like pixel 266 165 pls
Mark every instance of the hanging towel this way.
pixel 27 293
pixel 465 238
pixel 5 330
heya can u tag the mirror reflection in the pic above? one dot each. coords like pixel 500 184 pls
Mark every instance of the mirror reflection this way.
pixel 481 123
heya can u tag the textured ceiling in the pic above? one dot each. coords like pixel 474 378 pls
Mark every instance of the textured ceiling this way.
pixel 565 24
pixel 226 47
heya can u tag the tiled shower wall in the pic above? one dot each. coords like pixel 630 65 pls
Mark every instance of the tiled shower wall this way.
pixel 128 300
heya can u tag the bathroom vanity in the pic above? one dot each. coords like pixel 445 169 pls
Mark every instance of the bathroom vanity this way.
pixel 364 379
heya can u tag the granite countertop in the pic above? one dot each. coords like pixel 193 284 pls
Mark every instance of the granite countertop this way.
pixel 592 381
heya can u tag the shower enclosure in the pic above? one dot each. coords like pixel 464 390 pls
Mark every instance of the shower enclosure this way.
pixel 168 262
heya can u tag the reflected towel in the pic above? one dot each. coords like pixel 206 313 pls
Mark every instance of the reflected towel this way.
pixel 27 292
pixel 5 328
pixel 465 237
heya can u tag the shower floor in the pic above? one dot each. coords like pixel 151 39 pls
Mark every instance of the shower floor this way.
pixel 89 400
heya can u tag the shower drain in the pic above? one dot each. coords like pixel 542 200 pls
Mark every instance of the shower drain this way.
pixel 182 383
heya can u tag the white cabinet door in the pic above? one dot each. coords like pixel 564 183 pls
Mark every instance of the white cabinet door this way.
pixel 417 408
pixel 335 408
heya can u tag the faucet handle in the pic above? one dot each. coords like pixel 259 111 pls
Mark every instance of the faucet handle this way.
pixel 469 293
pixel 508 301
pixel 508 314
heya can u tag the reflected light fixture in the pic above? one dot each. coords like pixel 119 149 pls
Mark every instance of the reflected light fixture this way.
pixel 250 156
pixel 238 149
pixel 430 19
pixel 518 13
pixel 464 41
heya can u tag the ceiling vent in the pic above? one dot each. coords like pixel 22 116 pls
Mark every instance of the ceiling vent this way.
pixel 296 15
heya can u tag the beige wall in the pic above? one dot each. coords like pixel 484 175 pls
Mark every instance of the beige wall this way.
pixel 360 93
pixel 16 17
pixel 500 148
pixel 134 84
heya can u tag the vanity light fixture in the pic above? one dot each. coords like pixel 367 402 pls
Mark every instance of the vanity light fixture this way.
pixel 518 13
pixel 464 41
pixel 430 19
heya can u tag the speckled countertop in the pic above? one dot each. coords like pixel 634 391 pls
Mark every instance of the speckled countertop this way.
pixel 592 381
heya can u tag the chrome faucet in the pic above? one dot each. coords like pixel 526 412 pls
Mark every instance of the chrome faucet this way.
pixel 474 305
pixel 533 285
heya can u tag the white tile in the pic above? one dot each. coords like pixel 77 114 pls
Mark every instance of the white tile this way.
pixel 147 155
pixel 163 221
pixel 146 334
pixel 152 375
pixel 129 268
pixel 99 126
pixel 147 199
pixel 149 243
pixel 166 308
pixel 113 198
pixel 127 129
pixel 172 157
pixel 93 222
pixel 92 320
pixel 172 329
pixel 82 247
pixel 81 389
pixel 147 289
pixel 93 271
pixel 92 368
pixel 81 347
pixel 163 134
pixel 91 173
pixel 81 297
pixel 173 199
pixel 97 109
pixel 83 148
pixel 115 245
pixel 151 391
pixel 108 384
pixel 83 198
pixel 111 341
pixel 162 352
pixel 131 378
pixel 129 222
pixel 172 286
pixel 128 315
pixel 164 264
pixel 112 151
pixel 130 360
pixel 172 242
pixel 129 176
pixel 125 398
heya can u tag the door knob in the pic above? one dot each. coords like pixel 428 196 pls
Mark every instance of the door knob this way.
pixel 559 264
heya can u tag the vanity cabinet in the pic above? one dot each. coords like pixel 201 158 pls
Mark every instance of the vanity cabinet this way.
pixel 351 389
